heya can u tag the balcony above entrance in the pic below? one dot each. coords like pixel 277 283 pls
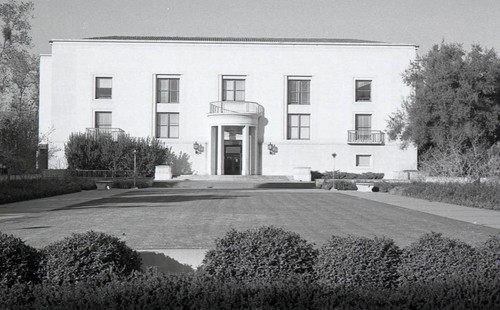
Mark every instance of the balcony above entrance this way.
pixel 365 137
pixel 236 107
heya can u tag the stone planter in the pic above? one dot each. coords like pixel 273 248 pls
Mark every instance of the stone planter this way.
pixel 163 173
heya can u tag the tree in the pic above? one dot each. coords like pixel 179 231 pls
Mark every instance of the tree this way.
pixel 18 89
pixel 454 111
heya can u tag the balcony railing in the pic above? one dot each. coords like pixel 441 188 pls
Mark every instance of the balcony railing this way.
pixel 113 132
pixel 365 137
pixel 236 107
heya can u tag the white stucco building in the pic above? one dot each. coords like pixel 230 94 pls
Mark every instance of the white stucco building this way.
pixel 256 106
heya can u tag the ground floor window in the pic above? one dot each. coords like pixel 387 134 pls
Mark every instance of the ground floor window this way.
pixel 363 160
pixel 103 120
pixel 298 126
pixel 167 125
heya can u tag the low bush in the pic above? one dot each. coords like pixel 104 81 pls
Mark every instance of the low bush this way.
pixel 339 175
pixel 434 257
pixel 89 255
pixel 129 183
pixel 339 184
pixel 479 195
pixel 489 258
pixel 260 253
pixel 19 190
pixel 19 262
pixel 160 291
pixel 357 261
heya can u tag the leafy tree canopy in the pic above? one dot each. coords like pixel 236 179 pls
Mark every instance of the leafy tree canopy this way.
pixel 456 98
pixel 18 88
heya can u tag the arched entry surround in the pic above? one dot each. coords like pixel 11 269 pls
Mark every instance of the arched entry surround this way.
pixel 234 144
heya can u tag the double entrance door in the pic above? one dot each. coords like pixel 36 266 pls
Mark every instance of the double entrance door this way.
pixel 232 159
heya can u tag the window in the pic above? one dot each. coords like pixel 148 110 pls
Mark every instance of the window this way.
pixel 363 122
pixel 299 91
pixel 167 125
pixel 363 127
pixel 233 89
pixel 103 120
pixel 298 126
pixel 363 160
pixel 363 90
pixel 103 87
pixel 167 90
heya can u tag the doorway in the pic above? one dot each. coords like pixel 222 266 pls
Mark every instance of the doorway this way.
pixel 232 159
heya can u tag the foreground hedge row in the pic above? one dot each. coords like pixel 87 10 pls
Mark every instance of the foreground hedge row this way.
pixel 266 267
pixel 479 195
pixel 191 291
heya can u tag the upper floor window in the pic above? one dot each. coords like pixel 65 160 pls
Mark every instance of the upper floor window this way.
pixel 167 90
pixel 299 91
pixel 363 122
pixel 363 90
pixel 103 120
pixel 103 87
pixel 167 125
pixel 233 90
pixel 298 126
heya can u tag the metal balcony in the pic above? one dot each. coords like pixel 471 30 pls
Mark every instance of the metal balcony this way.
pixel 365 137
pixel 113 132
pixel 236 107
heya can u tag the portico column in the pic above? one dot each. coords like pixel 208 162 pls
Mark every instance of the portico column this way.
pixel 255 148
pixel 245 151
pixel 220 151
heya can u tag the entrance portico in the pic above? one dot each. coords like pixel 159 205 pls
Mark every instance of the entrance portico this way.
pixel 234 143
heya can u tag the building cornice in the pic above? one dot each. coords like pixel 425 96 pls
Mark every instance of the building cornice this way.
pixel 223 40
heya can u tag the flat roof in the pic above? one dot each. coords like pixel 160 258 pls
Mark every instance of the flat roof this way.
pixel 179 39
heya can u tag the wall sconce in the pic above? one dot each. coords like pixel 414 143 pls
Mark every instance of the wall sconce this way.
pixel 198 148
pixel 273 149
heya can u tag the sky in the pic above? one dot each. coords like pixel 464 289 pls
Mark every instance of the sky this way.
pixel 420 22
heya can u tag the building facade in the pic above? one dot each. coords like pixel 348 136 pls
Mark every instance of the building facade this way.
pixel 234 105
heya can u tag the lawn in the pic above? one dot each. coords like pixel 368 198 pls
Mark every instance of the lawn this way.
pixel 192 218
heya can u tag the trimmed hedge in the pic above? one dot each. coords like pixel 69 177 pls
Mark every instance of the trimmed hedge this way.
pixel 129 183
pixel 434 257
pixel 357 261
pixel 261 253
pixel 479 195
pixel 90 255
pixel 18 262
pixel 339 175
pixel 19 190
pixel 159 291
pixel 339 185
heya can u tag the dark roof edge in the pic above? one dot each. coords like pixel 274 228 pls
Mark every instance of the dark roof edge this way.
pixel 326 41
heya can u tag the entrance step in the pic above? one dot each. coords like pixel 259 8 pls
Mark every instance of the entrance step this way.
pixel 234 182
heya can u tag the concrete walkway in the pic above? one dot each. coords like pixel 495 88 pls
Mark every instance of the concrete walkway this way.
pixel 485 217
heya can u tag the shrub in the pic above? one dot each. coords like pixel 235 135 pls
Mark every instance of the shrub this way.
pixel 345 185
pixel 129 183
pixel 89 255
pixel 434 257
pixel 18 190
pixel 18 262
pixel 265 252
pixel 339 175
pixel 489 258
pixel 103 152
pixel 357 261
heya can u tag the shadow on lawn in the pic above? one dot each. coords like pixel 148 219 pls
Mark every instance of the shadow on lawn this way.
pixel 135 201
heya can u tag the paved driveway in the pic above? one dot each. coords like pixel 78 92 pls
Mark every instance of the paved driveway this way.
pixel 193 218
